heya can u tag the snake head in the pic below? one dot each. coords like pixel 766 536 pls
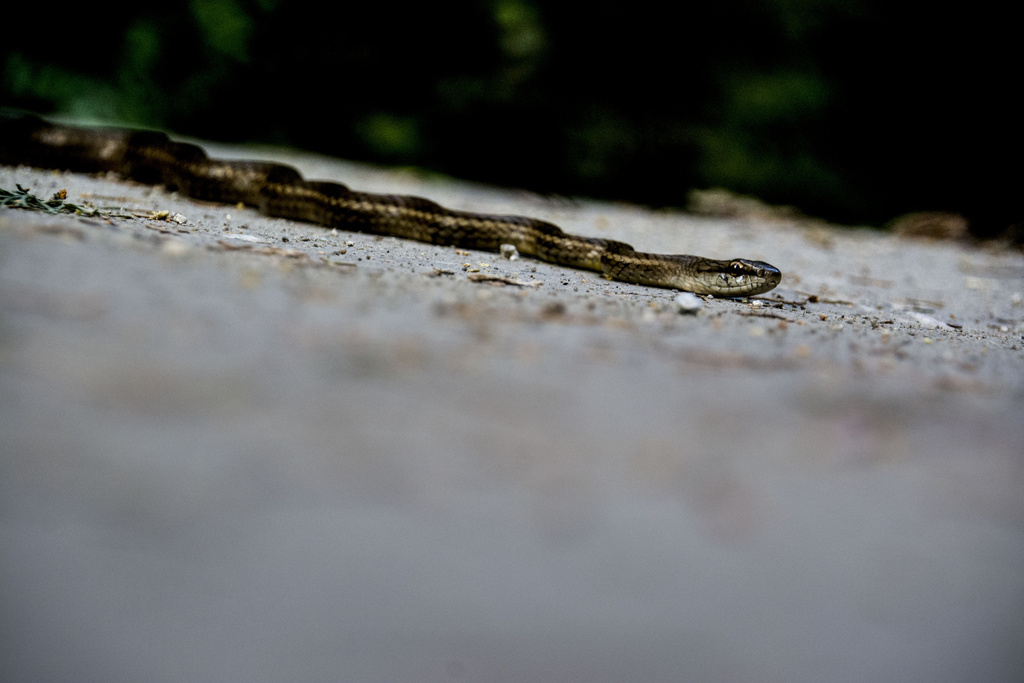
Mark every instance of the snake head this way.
pixel 742 277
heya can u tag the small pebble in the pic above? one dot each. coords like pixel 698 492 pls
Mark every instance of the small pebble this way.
pixel 688 304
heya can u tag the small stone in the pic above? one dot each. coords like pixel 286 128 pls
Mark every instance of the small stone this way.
pixel 688 304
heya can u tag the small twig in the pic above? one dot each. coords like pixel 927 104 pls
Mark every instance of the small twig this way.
pixel 500 281
pixel 754 314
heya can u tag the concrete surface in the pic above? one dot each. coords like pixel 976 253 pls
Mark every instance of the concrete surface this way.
pixel 231 457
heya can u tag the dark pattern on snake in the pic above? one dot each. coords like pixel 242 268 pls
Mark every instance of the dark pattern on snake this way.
pixel 278 190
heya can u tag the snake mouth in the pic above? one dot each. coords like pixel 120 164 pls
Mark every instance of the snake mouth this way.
pixel 758 271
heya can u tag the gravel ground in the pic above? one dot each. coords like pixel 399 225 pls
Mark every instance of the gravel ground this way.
pixel 246 449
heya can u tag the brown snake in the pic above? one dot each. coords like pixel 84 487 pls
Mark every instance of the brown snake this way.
pixel 278 190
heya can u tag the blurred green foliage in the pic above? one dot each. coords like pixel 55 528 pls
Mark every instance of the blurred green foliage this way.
pixel 855 110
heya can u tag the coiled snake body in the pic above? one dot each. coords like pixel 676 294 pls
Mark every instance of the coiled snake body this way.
pixel 278 190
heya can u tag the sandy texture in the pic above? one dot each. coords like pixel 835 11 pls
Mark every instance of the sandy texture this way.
pixel 244 449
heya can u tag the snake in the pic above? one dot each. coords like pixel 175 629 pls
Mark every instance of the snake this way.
pixel 278 190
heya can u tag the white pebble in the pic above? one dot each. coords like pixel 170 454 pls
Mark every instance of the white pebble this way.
pixel 510 252
pixel 688 304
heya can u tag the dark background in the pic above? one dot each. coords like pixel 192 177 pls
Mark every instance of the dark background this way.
pixel 853 110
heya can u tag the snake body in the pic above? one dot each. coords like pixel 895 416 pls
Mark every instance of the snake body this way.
pixel 278 190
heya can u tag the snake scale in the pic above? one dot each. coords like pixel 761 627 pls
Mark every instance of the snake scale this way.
pixel 277 190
